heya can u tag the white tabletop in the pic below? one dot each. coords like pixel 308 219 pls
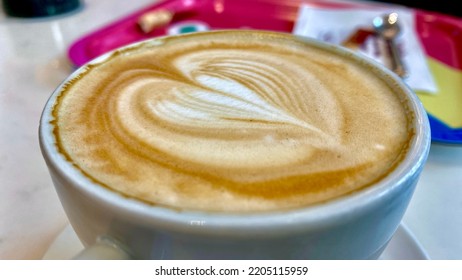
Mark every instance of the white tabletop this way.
pixel 33 62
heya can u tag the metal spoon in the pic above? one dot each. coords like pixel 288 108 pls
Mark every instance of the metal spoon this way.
pixel 388 28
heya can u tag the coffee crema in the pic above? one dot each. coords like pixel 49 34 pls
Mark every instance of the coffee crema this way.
pixel 234 121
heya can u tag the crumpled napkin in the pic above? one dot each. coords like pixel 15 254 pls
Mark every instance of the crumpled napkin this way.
pixel 337 25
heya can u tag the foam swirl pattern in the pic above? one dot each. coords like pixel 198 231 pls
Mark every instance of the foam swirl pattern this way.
pixel 231 122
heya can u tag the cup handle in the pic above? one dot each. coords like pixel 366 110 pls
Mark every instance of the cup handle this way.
pixel 105 248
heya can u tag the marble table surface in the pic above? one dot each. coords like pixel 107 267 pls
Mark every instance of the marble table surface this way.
pixel 33 62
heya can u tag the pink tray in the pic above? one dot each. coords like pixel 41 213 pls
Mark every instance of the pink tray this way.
pixel 440 34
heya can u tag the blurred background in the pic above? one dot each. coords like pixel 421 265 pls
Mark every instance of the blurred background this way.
pixel 443 6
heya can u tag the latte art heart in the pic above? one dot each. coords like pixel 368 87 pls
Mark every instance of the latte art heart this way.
pixel 231 109
pixel 227 122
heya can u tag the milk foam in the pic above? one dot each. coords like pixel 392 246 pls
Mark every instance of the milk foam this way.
pixel 227 121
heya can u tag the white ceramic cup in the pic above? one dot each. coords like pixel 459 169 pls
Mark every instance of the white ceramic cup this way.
pixel 357 226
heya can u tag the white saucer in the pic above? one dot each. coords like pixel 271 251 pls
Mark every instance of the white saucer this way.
pixel 403 246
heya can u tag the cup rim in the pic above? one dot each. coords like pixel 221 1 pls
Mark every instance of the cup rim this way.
pixel 321 214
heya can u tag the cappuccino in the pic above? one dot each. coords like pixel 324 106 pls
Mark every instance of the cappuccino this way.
pixel 232 121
